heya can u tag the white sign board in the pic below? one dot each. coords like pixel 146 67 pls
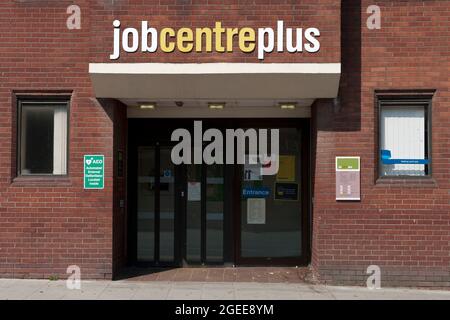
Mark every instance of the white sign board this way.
pixel 256 211
pixel 194 192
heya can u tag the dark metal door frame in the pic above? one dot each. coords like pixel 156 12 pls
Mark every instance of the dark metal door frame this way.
pixel 303 125
pixel 203 219
pixel 177 210
pixel 232 219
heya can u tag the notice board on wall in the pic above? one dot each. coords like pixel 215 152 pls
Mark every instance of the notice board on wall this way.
pixel 348 180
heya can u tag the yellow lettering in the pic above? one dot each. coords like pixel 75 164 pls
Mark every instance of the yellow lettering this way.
pixel 218 30
pixel 199 32
pixel 247 38
pixel 230 35
pixel 165 45
pixel 185 37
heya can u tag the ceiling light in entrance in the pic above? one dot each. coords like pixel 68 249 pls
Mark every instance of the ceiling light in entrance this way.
pixel 148 105
pixel 216 105
pixel 288 105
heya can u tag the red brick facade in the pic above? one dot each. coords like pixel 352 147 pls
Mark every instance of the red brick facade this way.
pixel 402 226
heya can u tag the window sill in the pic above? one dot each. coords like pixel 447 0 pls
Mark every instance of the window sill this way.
pixel 409 182
pixel 42 181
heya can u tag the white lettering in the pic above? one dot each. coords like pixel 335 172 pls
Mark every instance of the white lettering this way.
pixel 374 280
pixel 314 44
pixel 116 49
pixel 183 147
pixel 248 142
pixel 374 20
pixel 74 280
pixel 262 46
pixel 74 20
pixel 154 35
pixel 298 42
pixel 134 40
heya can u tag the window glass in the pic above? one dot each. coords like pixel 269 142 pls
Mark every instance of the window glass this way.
pixel 214 212
pixel 167 206
pixel 270 205
pixel 43 139
pixel 146 204
pixel 403 140
pixel 193 213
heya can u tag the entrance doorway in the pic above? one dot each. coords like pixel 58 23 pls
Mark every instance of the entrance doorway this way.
pixel 198 214
pixel 180 210
pixel 157 206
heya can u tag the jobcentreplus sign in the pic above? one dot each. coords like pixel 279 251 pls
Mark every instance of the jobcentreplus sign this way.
pixel 201 39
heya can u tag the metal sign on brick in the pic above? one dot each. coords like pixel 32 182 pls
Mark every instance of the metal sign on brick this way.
pixel 348 180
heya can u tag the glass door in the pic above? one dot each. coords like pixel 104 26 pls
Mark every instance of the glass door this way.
pixel 204 214
pixel 270 207
pixel 156 206
pixel 179 203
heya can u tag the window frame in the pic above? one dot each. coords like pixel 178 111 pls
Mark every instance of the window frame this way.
pixel 406 100
pixel 40 100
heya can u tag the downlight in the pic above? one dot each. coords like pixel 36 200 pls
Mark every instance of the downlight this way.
pixel 288 105
pixel 216 105
pixel 148 106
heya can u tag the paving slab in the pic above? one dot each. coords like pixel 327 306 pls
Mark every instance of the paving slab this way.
pixel 152 293
pixel 243 293
pixel 185 294
pixel 218 291
pixel 19 289
pixel 6 283
pixel 118 293
pixel 280 294
pixel 90 290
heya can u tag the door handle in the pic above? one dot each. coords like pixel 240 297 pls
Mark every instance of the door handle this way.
pixel 182 194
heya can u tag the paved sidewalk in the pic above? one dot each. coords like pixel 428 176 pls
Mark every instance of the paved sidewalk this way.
pixel 15 289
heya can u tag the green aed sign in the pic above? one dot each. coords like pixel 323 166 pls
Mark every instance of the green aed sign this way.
pixel 94 172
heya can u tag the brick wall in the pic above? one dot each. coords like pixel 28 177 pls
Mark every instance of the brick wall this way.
pixel 402 227
pixel 48 224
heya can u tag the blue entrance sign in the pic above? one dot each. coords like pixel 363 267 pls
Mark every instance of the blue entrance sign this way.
pixel 256 192
pixel 386 159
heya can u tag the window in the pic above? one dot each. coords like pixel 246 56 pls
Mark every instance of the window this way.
pixel 404 136
pixel 42 137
